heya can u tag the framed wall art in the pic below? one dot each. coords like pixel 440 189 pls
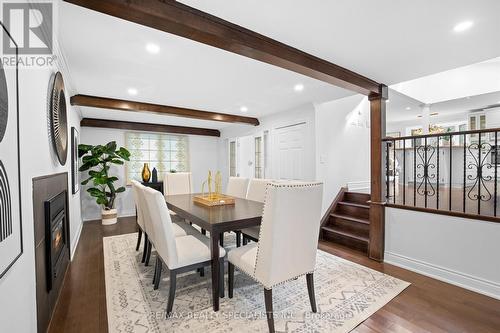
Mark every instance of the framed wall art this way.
pixel 75 175
pixel 11 236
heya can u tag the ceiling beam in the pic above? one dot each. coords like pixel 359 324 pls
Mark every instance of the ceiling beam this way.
pixel 124 105
pixel 127 125
pixel 181 20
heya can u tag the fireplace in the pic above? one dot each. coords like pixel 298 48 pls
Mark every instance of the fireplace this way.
pixel 51 222
pixel 55 236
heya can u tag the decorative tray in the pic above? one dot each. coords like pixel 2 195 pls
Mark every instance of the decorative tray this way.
pixel 213 200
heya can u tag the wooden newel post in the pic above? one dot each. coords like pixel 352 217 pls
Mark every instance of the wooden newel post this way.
pixel 377 132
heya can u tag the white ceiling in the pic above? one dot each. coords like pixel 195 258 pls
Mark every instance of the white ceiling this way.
pixel 106 56
pixel 389 41
pixel 397 107
pixel 472 80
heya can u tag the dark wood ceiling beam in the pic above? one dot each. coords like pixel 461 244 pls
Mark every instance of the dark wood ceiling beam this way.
pixel 124 105
pixel 181 20
pixel 127 125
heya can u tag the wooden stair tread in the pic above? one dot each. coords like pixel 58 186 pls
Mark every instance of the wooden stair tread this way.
pixel 358 194
pixel 350 218
pixel 345 234
pixel 347 220
pixel 354 204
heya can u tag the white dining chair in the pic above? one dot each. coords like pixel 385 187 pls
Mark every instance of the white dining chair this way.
pixel 288 241
pixel 256 192
pixel 139 218
pixel 180 227
pixel 179 254
pixel 237 187
pixel 177 183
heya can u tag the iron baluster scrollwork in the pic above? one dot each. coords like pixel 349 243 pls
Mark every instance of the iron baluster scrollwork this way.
pixel 425 187
pixel 456 172
pixel 479 165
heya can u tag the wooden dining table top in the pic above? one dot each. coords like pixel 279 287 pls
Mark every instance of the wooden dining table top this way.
pixel 243 213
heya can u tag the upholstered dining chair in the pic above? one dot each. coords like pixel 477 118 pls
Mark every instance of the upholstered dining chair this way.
pixel 139 218
pixel 177 183
pixel 180 227
pixel 256 192
pixel 179 254
pixel 237 187
pixel 287 243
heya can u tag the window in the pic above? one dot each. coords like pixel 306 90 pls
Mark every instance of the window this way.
pixel 258 157
pixel 232 159
pixel 462 128
pixel 164 152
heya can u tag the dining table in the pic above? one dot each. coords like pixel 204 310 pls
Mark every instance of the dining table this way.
pixel 216 220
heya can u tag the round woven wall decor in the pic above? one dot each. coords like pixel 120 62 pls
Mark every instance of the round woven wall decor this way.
pixel 58 118
pixel 4 103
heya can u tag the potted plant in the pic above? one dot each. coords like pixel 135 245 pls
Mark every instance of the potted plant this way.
pixel 98 160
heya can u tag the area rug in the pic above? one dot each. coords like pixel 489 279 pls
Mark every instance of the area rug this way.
pixel 346 294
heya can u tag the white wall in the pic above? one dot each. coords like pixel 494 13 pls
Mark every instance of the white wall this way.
pixel 338 141
pixel 342 143
pixel 456 250
pixel 203 157
pixel 404 127
pixel 270 123
pixel 17 287
pixel 472 80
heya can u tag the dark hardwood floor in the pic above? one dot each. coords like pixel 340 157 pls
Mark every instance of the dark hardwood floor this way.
pixel 82 302
pixel 428 305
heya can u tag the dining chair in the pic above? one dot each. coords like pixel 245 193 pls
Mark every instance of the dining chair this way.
pixel 237 187
pixel 179 254
pixel 139 218
pixel 256 192
pixel 287 243
pixel 177 183
pixel 180 227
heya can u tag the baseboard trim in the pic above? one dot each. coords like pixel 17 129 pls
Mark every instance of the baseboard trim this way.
pixel 76 241
pixel 125 214
pixel 476 284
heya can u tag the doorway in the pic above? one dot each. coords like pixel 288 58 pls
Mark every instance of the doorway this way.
pixel 290 152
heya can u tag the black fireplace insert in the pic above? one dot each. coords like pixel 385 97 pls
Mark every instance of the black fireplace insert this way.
pixel 55 235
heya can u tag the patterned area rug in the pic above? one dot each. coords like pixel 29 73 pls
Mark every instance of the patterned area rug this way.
pixel 346 294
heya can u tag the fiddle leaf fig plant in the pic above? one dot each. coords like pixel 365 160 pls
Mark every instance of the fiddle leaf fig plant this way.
pixel 97 160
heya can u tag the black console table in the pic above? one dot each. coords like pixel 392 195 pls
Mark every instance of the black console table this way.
pixel 157 186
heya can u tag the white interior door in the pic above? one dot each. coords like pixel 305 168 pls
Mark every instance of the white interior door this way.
pixel 290 149
pixel 246 156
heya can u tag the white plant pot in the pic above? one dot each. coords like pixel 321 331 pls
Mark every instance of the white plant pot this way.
pixel 109 216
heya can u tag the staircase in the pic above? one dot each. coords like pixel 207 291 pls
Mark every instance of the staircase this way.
pixel 347 222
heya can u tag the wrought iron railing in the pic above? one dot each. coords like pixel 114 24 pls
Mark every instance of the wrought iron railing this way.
pixel 454 172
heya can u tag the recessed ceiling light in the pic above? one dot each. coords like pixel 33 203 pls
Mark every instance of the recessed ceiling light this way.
pixel 243 109
pixel 132 91
pixel 462 26
pixel 298 87
pixel 408 108
pixel 431 114
pixel 152 48
pixel 434 114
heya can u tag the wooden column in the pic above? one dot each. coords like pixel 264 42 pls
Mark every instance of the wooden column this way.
pixel 377 214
